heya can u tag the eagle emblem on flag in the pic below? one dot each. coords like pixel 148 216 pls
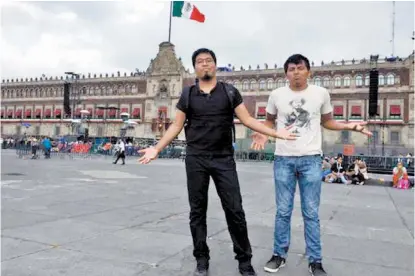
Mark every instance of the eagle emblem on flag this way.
pixel 187 7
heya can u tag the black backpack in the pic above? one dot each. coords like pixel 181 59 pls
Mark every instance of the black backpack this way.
pixel 230 92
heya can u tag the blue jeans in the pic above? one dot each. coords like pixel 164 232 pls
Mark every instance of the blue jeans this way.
pixel 307 171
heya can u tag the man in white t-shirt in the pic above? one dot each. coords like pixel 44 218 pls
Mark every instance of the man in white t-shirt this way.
pixel 303 108
pixel 120 152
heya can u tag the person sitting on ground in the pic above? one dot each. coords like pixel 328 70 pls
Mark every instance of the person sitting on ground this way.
pixel 338 170
pixel 363 168
pixel 400 177
pixel 331 175
pixel 326 168
pixel 354 172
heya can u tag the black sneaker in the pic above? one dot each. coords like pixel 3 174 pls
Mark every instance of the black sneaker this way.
pixel 247 270
pixel 274 264
pixel 202 268
pixel 316 269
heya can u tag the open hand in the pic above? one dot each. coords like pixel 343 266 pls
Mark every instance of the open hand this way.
pixel 149 155
pixel 359 127
pixel 258 141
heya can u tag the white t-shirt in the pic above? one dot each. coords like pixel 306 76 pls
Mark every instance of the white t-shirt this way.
pixel 303 110
pixel 121 146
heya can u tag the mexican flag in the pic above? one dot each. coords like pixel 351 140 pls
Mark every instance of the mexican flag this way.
pixel 187 10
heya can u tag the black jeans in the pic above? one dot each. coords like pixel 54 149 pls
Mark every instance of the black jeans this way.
pixel 47 153
pixel 199 169
pixel 120 155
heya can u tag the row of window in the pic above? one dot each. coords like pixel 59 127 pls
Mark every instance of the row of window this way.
pixel 394 112
pixel 58 91
pixel 58 114
pixel 327 82
pixel 56 130
pixel 394 137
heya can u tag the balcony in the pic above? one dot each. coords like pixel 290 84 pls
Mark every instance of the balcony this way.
pixel 356 118
pixel 394 117
pixel 339 117
pixel 394 120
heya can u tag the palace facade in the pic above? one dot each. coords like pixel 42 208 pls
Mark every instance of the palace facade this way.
pixel 150 98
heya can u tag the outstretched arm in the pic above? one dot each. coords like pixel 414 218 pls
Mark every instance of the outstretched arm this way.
pixel 172 132
pixel 259 140
pixel 328 122
pixel 270 120
pixel 257 126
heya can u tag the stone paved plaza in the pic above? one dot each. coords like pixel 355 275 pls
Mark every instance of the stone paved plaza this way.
pixel 90 217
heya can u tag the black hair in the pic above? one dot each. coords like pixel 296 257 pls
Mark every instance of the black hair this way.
pixel 202 51
pixel 296 59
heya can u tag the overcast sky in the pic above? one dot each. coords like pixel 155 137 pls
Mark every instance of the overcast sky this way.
pixel 99 37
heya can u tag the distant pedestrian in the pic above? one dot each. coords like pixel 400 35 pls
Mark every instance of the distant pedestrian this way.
pixel 47 147
pixel 120 152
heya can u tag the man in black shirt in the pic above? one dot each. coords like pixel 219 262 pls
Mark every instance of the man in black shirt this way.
pixel 209 153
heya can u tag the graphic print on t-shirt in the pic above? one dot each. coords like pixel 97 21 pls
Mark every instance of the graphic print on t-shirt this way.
pixel 302 111
pixel 299 118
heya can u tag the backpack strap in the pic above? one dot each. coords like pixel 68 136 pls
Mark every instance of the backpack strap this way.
pixel 186 94
pixel 230 92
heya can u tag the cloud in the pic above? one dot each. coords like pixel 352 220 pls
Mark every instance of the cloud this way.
pixel 99 37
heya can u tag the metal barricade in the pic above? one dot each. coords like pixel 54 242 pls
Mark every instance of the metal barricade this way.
pixel 23 150
pixel 381 164
pixel 254 156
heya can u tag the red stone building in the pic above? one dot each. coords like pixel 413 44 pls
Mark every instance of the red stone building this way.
pixel 150 98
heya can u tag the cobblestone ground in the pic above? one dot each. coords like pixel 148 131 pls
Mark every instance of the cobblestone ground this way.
pixel 90 217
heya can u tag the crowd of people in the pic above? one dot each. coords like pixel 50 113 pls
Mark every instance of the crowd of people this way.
pixel 334 170
pixel 29 144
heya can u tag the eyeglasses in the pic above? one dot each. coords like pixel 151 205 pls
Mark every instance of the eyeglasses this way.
pixel 207 60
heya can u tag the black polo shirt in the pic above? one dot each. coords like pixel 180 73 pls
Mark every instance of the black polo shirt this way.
pixel 209 131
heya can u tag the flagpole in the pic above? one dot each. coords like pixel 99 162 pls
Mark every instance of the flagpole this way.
pixel 171 10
